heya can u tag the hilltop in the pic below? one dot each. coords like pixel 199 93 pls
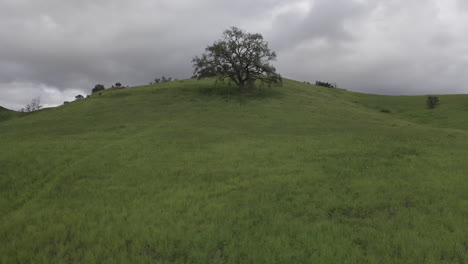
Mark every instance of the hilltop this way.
pixel 189 171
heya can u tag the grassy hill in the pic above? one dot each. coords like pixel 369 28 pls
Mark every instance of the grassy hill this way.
pixel 6 114
pixel 188 172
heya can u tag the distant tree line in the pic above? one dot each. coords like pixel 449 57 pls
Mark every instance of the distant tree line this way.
pixel 97 88
pixel 162 79
pixel 326 84
pixel 101 87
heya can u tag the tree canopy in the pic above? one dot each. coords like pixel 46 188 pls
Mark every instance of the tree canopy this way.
pixel 97 88
pixel 239 56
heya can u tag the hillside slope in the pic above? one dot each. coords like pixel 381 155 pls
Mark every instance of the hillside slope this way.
pixel 188 172
pixel 6 114
pixel 451 113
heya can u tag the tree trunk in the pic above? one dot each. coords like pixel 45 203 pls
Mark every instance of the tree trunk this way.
pixel 246 87
pixel 250 84
pixel 242 88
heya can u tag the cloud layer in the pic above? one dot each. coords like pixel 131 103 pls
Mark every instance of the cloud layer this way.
pixel 57 49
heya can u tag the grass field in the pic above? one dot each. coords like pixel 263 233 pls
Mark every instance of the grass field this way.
pixel 189 172
pixel 6 114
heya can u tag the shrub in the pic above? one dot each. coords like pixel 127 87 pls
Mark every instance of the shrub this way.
pixel 432 101
pixel 163 79
pixel 97 88
pixel 326 84
pixel 385 111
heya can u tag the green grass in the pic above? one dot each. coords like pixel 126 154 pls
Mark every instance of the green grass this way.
pixel 6 114
pixel 190 172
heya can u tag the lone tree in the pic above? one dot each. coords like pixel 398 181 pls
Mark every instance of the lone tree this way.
pixel 33 106
pixel 242 57
pixel 97 88
pixel 432 101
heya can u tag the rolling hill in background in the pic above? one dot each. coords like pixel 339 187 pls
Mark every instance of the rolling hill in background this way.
pixel 190 172
pixel 6 114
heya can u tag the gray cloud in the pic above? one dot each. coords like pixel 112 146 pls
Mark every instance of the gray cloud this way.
pixel 55 48
pixel 322 20
pixel 388 47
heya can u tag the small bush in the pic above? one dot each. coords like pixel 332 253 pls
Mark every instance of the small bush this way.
pixel 385 111
pixel 163 79
pixel 326 84
pixel 432 101
pixel 97 88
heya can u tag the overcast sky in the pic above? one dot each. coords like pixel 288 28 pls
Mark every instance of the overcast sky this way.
pixel 57 49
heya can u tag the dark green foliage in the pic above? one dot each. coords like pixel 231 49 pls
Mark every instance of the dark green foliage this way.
pixel 118 85
pixel 239 56
pixel 163 79
pixel 326 84
pixel 79 97
pixel 432 101
pixel 385 111
pixel 97 88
